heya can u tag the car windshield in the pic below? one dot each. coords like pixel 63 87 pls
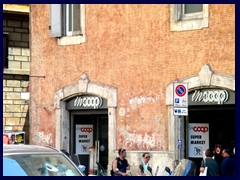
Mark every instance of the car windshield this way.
pixel 38 165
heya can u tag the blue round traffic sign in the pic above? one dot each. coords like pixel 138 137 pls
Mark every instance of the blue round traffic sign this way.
pixel 180 90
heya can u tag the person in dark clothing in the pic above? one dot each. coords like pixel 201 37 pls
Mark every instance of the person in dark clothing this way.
pixel 120 164
pixel 228 163
pixel 210 163
pixel 65 152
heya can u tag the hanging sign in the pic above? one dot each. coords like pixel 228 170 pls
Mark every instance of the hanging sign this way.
pixel 84 138
pixel 198 139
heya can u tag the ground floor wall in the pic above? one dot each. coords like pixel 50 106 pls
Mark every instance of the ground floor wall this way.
pixel 205 79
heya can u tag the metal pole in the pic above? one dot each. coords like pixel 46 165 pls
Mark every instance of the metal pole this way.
pixel 180 141
pixel 179 138
pixel 176 138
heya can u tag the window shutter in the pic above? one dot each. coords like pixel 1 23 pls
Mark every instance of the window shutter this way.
pixel 56 20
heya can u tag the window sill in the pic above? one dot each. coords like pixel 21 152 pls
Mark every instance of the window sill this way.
pixel 193 24
pixel 71 40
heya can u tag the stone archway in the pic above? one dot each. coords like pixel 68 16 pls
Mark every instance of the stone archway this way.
pixel 205 78
pixel 83 86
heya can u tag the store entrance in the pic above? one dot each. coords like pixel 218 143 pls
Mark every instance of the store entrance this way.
pixel 90 130
pixel 221 120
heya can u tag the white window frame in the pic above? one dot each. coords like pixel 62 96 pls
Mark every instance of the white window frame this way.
pixel 71 32
pixel 63 35
pixel 192 21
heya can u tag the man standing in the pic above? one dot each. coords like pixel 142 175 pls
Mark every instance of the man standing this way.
pixel 228 164
pixel 120 164
pixel 210 163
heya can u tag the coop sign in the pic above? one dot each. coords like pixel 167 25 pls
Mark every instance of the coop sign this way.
pixel 198 139
pixel 84 138
pixel 210 96
pixel 88 101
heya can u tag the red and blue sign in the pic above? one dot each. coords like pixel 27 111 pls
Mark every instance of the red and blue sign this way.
pixel 180 90
pixel 180 99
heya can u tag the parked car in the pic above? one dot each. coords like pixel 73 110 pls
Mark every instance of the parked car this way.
pixel 33 160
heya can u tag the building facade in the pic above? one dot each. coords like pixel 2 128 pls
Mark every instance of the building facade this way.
pixel 105 78
pixel 16 64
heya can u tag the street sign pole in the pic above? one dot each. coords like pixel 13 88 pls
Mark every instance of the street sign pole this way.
pixel 180 108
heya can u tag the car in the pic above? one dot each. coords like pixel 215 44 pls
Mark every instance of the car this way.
pixel 35 160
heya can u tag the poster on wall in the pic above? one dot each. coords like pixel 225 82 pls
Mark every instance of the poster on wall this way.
pixel 198 139
pixel 84 138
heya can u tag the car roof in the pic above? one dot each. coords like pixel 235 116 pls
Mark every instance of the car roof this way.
pixel 25 149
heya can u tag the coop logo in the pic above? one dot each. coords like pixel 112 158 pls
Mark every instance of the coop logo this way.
pixel 210 96
pixel 199 129
pixel 86 129
pixel 89 101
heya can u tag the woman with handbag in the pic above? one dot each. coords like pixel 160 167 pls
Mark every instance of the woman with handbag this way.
pixel 209 164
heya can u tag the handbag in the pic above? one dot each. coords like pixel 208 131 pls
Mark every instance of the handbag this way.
pixel 204 173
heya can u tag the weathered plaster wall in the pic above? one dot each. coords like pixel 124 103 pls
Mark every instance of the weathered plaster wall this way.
pixel 131 48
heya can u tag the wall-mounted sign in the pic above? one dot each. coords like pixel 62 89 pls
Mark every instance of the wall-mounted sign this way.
pixel 180 111
pixel 198 139
pixel 87 102
pixel 84 138
pixel 180 99
pixel 211 97
pixel 180 95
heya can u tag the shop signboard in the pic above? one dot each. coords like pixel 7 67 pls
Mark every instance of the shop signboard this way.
pixel 202 97
pixel 86 102
pixel 198 139
pixel 84 138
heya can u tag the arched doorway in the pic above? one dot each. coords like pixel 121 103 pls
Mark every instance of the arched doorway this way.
pixel 67 119
pixel 213 115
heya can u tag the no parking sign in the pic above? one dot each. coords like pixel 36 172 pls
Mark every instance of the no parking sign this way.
pixel 180 99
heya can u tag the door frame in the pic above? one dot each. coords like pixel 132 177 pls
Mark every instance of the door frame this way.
pixel 206 78
pixel 81 87
pixel 71 125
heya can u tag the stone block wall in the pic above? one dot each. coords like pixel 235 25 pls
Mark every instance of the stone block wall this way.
pixel 16 76
pixel 15 109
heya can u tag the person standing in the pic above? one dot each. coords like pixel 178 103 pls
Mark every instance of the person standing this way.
pixel 228 163
pixel 210 163
pixel 144 164
pixel 120 164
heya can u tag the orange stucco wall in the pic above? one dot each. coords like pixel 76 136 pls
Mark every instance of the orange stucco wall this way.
pixel 131 48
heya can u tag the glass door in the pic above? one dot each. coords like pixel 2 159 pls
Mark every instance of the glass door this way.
pixel 90 130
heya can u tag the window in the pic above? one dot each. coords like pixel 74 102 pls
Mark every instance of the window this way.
pixel 73 21
pixel 192 8
pixel 5 50
pixel 188 16
pixel 36 164
pixel 67 23
pixel 191 11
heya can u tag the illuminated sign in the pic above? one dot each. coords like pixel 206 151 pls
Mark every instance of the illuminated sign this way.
pixel 86 102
